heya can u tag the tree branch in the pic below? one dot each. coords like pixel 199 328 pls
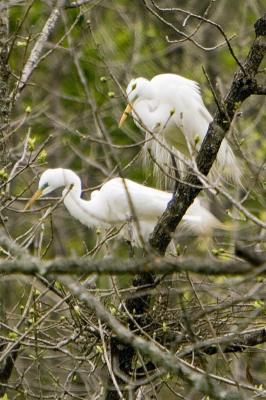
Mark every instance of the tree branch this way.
pixel 261 90
pixel 74 266
pixel 4 81
pixel 6 367
pixel 230 343
pixel 34 57
pixel 244 84
pixel 194 375
pixel 76 4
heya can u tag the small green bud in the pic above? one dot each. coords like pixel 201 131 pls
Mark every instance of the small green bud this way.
pixel 42 157
pixel 3 174
pixel 77 309
pixel 113 310
pixel 31 143
pixel 259 387
pixel 258 304
pixel 12 335
pixel 111 95
pixel 178 249
pixel 28 109
pixel 36 293
pixel 172 112
pixel 103 79
pixel 57 285
pixel 237 105
pixel 167 377
pixel 99 350
pixel 165 327
pixel 21 43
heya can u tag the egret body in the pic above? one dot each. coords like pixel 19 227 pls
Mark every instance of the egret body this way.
pixel 171 107
pixel 121 201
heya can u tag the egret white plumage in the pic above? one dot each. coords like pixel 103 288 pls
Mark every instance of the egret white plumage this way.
pixel 171 107
pixel 120 201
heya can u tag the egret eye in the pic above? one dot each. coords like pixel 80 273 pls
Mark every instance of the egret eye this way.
pixel 45 186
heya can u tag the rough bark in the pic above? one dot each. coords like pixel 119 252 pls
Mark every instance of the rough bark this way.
pixel 6 368
pixel 122 353
pixel 7 365
pixel 151 265
pixel 4 81
pixel 231 343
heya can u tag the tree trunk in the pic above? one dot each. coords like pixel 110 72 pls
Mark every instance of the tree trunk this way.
pixel 4 80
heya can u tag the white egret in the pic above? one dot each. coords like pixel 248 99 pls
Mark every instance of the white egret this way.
pixel 117 202
pixel 171 107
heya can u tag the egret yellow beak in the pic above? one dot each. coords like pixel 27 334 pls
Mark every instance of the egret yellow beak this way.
pixel 127 111
pixel 35 197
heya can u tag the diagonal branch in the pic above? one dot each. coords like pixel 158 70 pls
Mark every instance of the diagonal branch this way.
pixel 35 54
pixel 170 362
pixel 244 85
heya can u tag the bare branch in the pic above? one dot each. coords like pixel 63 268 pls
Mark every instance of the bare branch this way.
pixel 37 50
pixel 168 361
pixel 32 265
pixel 231 343
pixel 78 3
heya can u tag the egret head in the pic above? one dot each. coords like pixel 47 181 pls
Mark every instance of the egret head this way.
pixel 52 179
pixel 137 89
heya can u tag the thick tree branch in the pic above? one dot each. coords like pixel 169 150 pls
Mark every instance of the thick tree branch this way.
pixel 32 265
pixel 261 89
pixel 6 368
pixel 249 254
pixel 122 353
pixel 244 84
pixel 4 81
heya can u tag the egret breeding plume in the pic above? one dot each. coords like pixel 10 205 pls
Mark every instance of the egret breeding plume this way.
pixel 171 107
pixel 121 201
